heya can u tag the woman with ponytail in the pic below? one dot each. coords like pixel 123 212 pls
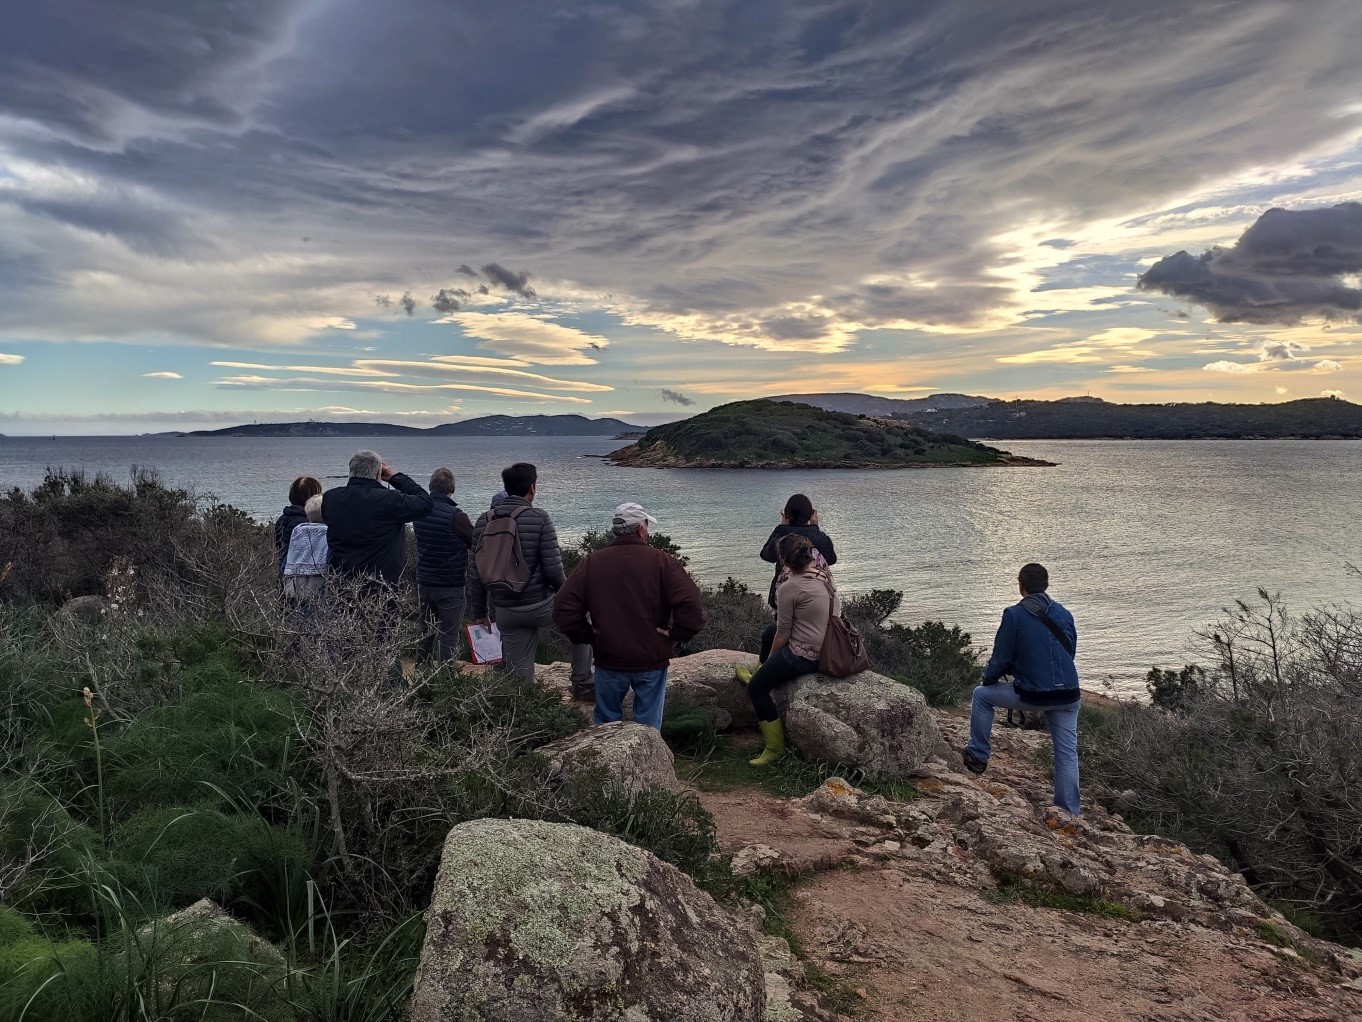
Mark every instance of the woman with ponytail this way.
pixel 805 603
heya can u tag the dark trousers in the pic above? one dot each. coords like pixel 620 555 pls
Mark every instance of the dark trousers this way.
pixel 768 639
pixel 441 622
pixel 775 671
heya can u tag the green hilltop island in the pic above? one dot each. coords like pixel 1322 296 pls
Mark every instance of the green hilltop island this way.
pixel 789 435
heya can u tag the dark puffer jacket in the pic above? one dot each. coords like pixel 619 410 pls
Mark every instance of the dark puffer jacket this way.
pixel 293 516
pixel 820 540
pixel 366 524
pixel 442 539
pixel 539 544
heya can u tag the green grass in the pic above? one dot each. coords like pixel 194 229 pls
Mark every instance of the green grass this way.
pixel 726 768
pixel 1011 891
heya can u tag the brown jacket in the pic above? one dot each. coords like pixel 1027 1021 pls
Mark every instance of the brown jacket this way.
pixel 630 590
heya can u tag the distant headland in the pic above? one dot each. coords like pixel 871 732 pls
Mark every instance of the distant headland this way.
pixel 1091 418
pixel 766 434
pixel 487 425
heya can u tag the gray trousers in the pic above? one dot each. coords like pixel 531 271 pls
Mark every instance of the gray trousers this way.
pixel 582 678
pixel 441 622
pixel 520 635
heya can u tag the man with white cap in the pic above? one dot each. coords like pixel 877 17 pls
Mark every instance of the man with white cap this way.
pixel 632 603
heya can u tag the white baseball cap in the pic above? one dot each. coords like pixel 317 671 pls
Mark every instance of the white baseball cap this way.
pixel 632 514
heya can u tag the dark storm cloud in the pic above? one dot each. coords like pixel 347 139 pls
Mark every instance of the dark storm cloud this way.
pixel 788 167
pixel 509 279
pixel 676 397
pixel 1286 267
pixel 408 303
pixel 383 301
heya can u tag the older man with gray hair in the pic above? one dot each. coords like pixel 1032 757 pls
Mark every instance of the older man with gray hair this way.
pixel 366 523
pixel 632 603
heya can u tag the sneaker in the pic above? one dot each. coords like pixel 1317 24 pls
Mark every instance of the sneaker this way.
pixel 973 764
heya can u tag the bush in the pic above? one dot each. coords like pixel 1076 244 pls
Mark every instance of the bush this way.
pixel 735 617
pixel 172 856
pixel 1260 763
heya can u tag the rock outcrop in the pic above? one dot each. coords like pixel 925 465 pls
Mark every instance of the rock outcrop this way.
pixel 867 721
pixel 532 922
pixel 634 755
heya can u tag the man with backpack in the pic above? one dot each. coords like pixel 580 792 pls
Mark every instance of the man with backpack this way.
pixel 632 603
pixel 442 541
pixel 1036 643
pixel 515 569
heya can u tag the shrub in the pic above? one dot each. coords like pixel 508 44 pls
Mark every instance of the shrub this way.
pixel 1261 763
pixel 172 856
pixel 1175 690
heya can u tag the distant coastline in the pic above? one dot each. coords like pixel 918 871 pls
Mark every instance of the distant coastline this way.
pixel 487 425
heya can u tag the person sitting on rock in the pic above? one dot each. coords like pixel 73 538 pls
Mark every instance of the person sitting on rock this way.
pixel 631 603
pixel 1035 645
pixel 805 603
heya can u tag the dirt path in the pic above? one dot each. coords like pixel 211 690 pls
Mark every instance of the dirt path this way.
pixel 924 943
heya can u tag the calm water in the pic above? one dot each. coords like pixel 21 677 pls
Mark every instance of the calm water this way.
pixel 1145 540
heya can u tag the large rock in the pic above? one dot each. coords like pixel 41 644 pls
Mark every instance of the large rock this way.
pixel 867 721
pixel 634 755
pixel 533 921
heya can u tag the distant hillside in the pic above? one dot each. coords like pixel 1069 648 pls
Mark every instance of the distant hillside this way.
pixel 1092 418
pixel 869 404
pixel 487 425
pixel 785 435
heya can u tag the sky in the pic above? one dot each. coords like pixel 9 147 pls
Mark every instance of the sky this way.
pixel 427 210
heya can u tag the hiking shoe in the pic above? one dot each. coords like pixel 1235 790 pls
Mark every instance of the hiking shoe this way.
pixel 974 764
pixel 584 694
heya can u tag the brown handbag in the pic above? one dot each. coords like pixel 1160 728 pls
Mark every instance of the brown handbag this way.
pixel 843 653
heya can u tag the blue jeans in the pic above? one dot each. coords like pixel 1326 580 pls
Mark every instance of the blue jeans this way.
pixel 650 692
pixel 1063 723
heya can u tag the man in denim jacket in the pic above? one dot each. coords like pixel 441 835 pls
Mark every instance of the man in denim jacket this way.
pixel 1035 645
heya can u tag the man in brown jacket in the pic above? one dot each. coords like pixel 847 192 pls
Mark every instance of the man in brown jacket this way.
pixel 631 603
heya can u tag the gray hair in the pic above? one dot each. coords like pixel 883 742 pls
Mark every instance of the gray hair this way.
pixel 313 507
pixel 442 481
pixel 365 465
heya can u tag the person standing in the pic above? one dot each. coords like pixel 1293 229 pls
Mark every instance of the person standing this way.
pixel 442 541
pixel 294 515
pixel 799 518
pixel 305 564
pixel 366 521
pixel 631 603
pixel 1035 645
pixel 515 569
pixel 805 603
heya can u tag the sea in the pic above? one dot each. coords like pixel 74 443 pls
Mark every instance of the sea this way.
pixel 1146 540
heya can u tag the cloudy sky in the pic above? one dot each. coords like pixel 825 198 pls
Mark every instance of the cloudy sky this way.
pixel 431 209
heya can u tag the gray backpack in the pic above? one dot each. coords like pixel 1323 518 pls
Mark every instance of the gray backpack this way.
pixel 499 559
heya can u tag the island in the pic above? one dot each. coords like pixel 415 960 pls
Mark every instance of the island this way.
pixel 486 425
pixel 768 434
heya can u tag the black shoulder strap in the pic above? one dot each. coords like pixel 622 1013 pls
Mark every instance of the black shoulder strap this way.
pixel 1058 633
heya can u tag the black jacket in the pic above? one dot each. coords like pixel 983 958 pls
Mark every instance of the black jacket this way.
pixel 820 540
pixel 442 539
pixel 293 515
pixel 539 544
pixel 366 525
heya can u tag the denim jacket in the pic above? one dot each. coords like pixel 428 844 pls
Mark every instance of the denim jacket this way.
pixel 1042 670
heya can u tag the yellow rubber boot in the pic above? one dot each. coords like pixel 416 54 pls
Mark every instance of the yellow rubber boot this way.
pixel 743 674
pixel 774 733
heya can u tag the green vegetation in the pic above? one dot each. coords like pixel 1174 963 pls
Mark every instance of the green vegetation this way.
pixel 1093 418
pixel 782 434
pixel 1253 757
pixel 1011 890
pixel 725 768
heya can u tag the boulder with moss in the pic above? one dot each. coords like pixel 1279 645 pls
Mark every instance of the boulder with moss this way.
pixel 868 721
pixel 633 755
pixel 534 921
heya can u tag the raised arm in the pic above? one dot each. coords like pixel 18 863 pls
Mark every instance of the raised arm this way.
pixel 411 501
